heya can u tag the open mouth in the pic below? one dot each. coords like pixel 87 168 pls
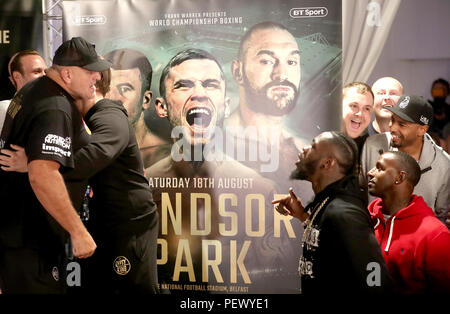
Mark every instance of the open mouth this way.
pixel 395 139
pixel 386 105
pixel 355 125
pixel 199 117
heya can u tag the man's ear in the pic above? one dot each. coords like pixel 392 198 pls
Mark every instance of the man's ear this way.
pixel 400 177
pixel 331 162
pixel 14 77
pixel 327 163
pixel 66 75
pixel 161 107
pixel 422 129
pixel 147 99
pixel 236 70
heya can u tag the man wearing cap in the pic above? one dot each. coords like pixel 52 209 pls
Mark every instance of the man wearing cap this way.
pixel 411 117
pixel 38 210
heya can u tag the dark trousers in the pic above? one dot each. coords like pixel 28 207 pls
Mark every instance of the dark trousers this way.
pixel 31 271
pixel 125 259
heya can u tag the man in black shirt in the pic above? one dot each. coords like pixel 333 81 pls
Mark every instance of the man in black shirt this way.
pixel 340 251
pixel 37 212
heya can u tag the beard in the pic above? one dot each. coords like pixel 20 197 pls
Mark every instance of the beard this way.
pixel 304 170
pixel 259 101
pixel 156 125
pixel 298 174
pixel 139 109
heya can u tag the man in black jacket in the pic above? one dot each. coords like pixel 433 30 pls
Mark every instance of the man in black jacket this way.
pixel 340 251
pixel 123 217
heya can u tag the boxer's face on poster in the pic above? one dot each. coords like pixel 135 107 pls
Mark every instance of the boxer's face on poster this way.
pixel 126 86
pixel 271 72
pixel 195 96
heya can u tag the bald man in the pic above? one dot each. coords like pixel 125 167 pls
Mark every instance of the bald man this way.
pixel 387 91
pixel 339 245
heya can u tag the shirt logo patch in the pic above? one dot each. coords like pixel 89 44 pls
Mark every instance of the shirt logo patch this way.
pixel 57 145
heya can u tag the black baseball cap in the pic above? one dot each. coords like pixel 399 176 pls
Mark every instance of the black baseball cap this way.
pixel 79 52
pixel 413 109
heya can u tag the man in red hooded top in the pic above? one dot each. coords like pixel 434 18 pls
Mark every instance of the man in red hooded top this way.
pixel 415 244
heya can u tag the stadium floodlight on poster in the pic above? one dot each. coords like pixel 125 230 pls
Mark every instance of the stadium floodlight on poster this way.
pixel 237 106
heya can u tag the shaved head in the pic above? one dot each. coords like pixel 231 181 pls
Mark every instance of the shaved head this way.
pixel 344 150
pixel 388 81
pixel 405 162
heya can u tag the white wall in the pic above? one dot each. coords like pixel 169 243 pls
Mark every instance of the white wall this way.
pixel 417 50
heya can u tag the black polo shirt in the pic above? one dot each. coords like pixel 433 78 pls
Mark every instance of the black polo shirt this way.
pixel 42 118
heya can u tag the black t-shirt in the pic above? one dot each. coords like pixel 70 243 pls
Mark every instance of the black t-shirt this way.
pixel 44 120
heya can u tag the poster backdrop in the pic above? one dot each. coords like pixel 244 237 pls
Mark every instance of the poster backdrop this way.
pixel 236 116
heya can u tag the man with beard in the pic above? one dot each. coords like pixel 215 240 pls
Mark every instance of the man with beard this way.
pixel 130 83
pixel 411 117
pixel 339 246
pixel 267 72
pixel 213 233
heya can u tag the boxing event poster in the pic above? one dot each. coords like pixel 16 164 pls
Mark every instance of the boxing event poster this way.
pixel 234 120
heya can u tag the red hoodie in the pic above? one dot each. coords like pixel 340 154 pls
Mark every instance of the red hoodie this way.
pixel 415 246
